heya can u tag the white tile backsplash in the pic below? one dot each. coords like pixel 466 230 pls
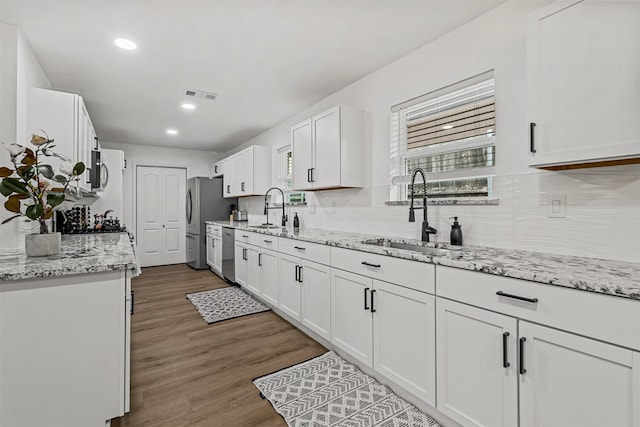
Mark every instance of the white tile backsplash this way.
pixel 603 213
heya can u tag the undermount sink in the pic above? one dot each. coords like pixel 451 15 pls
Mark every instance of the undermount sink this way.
pixel 265 226
pixel 386 243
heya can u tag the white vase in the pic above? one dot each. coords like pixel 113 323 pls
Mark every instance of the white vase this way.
pixel 42 244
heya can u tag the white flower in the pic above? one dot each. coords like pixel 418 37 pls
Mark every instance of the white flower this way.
pixel 14 150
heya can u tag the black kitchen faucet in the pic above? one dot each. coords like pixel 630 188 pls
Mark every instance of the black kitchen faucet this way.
pixel 426 230
pixel 266 207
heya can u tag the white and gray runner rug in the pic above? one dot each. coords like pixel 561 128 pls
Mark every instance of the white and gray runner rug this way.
pixel 225 303
pixel 329 391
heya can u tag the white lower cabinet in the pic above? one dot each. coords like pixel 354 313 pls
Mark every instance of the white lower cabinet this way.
pixel 563 379
pixel 477 369
pixel 210 250
pixel 217 258
pixel 241 264
pixel 387 327
pixel 316 297
pixel 290 287
pixel 576 381
pixel 268 262
pixel 253 269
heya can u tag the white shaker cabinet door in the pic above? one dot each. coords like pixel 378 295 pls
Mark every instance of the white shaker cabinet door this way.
pixel 576 381
pixel 351 318
pixel 210 251
pixel 302 151
pixel 316 297
pixel 241 264
pixel 254 272
pixel 583 95
pixel 404 337
pixel 326 136
pixel 269 276
pixel 476 360
pixel 289 286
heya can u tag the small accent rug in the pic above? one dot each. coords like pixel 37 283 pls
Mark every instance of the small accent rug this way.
pixel 329 391
pixel 225 303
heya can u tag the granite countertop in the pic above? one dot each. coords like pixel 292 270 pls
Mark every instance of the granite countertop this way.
pixel 603 276
pixel 81 253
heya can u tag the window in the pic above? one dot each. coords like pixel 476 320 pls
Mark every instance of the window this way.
pixel 450 135
pixel 284 175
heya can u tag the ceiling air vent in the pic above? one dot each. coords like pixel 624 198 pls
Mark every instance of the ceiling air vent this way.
pixel 200 94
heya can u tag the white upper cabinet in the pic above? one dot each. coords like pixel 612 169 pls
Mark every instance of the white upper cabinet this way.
pixel 583 84
pixel 327 150
pixel 64 117
pixel 247 173
pixel 217 169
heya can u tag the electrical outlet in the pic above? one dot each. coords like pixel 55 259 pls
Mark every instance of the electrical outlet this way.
pixel 557 206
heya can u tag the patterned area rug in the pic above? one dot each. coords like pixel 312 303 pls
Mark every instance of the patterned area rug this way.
pixel 225 303
pixel 329 391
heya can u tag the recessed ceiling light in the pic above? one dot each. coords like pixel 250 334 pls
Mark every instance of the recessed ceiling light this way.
pixel 188 106
pixel 447 127
pixel 172 131
pixel 125 44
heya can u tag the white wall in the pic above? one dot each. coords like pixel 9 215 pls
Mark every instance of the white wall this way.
pixel 198 163
pixel 603 215
pixel 19 70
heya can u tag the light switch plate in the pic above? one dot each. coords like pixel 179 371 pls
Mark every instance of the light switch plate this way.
pixel 557 207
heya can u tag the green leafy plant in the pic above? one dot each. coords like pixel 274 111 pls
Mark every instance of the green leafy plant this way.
pixel 30 185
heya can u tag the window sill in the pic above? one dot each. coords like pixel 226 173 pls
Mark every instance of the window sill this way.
pixel 447 202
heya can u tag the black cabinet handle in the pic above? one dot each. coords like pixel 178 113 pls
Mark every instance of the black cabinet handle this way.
pixel 300 274
pixel 297 273
pixel 373 310
pixel 245 236
pixel 299 248
pixel 215 168
pixel 268 241
pixel 308 175
pixel 260 260
pixel 532 127
pixel 132 300
pixel 245 255
pixel 313 179
pixel 88 170
pixel 370 265
pixel 519 298
pixel 242 186
pixel 505 362
pixel 366 305
pixel 522 369
pixel 228 188
pixel 213 242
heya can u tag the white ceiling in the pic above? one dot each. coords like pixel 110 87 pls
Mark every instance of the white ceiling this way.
pixel 267 59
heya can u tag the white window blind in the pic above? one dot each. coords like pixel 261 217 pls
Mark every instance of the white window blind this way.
pixel 450 134
pixel 284 171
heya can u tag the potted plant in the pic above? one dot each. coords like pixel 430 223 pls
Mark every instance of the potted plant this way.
pixel 31 191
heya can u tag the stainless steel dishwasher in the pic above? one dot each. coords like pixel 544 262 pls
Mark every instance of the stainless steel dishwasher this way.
pixel 228 249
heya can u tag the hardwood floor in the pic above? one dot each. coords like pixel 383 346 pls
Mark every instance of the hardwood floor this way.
pixel 187 373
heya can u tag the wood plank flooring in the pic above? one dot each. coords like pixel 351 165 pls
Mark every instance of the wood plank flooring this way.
pixel 187 373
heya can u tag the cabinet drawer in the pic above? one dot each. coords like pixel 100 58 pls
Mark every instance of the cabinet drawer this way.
pixel 411 274
pixel 215 230
pixel 269 242
pixel 607 318
pixel 248 237
pixel 311 251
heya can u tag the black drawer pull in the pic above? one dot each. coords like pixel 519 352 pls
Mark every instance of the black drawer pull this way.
pixel 308 175
pixel 133 298
pixel 505 362
pixel 370 265
pixel 366 305
pixel 268 241
pixel 373 310
pixel 245 236
pixel 529 300
pixel 522 369
pixel 300 274
pixel 299 248
pixel 297 273
pixel 259 260
pixel 532 144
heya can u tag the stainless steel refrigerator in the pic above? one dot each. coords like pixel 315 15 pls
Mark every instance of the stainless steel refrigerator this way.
pixel 204 203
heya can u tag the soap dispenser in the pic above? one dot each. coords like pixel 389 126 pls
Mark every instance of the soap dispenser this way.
pixel 456 232
pixel 296 223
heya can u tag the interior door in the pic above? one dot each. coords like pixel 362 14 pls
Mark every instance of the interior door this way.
pixel 160 195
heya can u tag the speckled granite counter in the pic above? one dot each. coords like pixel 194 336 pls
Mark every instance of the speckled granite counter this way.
pixel 609 277
pixel 83 253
